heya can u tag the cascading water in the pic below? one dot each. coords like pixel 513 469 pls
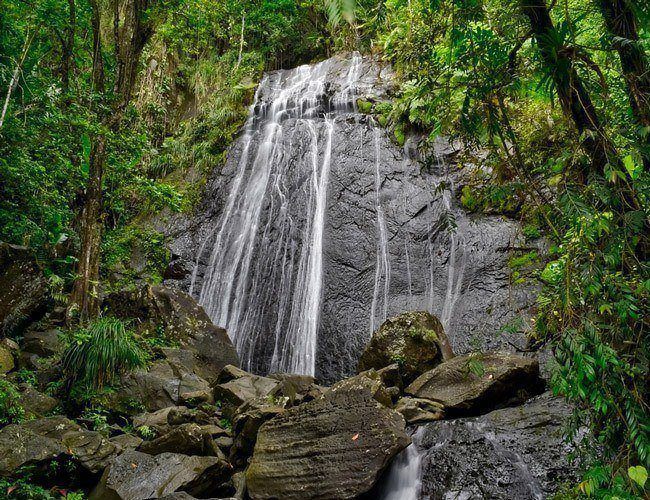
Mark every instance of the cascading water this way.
pixel 382 267
pixel 319 227
pixel 404 478
pixel 248 283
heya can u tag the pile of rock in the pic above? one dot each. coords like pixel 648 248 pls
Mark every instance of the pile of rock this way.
pixel 195 425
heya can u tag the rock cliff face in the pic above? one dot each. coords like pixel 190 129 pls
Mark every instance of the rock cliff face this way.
pixel 320 226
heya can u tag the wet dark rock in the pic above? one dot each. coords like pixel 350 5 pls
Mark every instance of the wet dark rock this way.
pixel 38 442
pixel 246 422
pixel 412 340
pixel 477 383
pixel 138 476
pixel 296 388
pixel 20 446
pixel 333 447
pixel 368 382
pixel 417 411
pixel 90 448
pixel 510 453
pixel 183 415
pixel 35 403
pixel 187 439
pixel 183 320
pixel 44 343
pixel 247 387
pixel 164 383
pixel 124 442
pixel 156 420
pixel 24 295
pixel 230 372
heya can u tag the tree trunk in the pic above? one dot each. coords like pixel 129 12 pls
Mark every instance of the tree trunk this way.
pixel 131 35
pixel 67 48
pixel 85 294
pixel 621 23
pixel 572 94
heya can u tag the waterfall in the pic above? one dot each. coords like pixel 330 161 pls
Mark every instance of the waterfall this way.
pixel 382 267
pixel 404 478
pixel 319 227
pixel 456 264
pixel 264 265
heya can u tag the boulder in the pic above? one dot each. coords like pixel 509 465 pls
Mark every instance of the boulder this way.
pixel 162 385
pixel 35 403
pixel 333 447
pixel 297 388
pixel 413 340
pixel 7 362
pixel 21 446
pixel 44 343
pixel 477 383
pixel 183 320
pixel 24 293
pixel 125 442
pixel 246 422
pixel 156 419
pixel 138 476
pixel 233 393
pixel 90 448
pixel 368 381
pixel 516 452
pixel 38 442
pixel 417 411
pixel 187 439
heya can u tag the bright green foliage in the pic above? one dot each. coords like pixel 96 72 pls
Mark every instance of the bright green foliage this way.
pixel 11 411
pixel 96 355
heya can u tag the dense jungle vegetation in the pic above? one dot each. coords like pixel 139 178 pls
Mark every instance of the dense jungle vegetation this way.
pixel 113 110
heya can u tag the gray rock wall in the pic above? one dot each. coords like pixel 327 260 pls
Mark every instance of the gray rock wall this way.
pixel 384 247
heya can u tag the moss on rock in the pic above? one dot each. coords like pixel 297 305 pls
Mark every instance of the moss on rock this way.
pixel 412 340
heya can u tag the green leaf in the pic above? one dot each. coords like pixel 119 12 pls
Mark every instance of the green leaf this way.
pixel 638 474
pixel 631 166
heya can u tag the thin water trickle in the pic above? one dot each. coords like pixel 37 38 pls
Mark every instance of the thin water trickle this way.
pixel 382 267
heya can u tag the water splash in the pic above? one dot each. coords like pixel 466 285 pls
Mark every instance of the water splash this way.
pixel 404 479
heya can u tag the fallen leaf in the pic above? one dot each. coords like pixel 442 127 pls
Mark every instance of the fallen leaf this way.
pixel 355 437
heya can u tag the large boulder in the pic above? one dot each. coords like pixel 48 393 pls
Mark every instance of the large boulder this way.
pixel 35 403
pixel 24 293
pixel 246 422
pixel 245 387
pixel 417 411
pixel 477 383
pixel 183 320
pixel 44 343
pixel 187 439
pixel 516 452
pixel 164 383
pixel 333 447
pixel 413 340
pixel 38 442
pixel 138 476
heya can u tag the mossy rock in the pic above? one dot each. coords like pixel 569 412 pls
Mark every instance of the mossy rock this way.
pixel 412 340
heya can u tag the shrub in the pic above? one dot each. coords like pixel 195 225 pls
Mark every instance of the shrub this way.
pixel 11 411
pixel 99 353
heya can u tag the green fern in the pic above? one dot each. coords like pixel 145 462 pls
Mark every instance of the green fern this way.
pixel 101 352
